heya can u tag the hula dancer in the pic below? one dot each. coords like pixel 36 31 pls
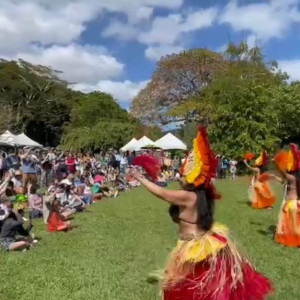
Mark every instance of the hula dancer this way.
pixel 205 264
pixel 288 227
pixel 260 193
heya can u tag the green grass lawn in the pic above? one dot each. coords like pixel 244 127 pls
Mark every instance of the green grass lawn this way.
pixel 116 245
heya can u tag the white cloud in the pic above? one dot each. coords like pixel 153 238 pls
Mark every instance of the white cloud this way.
pixel 123 31
pixel 166 33
pixel 25 22
pixel 63 21
pixel 292 67
pixel 84 64
pixel 123 91
pixel 199 19
pixel 156 52
pixel 263 20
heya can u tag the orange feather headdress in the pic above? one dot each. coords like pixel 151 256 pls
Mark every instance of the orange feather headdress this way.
pixel 288 161
pixel 200 165
pixel 262 160
pixel 249 156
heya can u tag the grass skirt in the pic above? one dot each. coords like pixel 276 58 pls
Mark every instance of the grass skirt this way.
pixel 209 267
pixel 288 227
pixel 261 195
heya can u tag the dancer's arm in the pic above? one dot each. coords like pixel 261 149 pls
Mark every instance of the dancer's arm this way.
pixel 174 197
pixel 250 168
pixel 279 179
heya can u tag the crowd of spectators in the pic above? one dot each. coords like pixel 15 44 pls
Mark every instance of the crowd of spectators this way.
pixel 55 185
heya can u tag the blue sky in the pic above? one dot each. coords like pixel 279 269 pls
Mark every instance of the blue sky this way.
pixel 114 45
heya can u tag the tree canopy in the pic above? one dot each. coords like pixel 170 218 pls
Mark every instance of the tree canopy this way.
pixel 33 100
pixel 246 103
pixel 98 122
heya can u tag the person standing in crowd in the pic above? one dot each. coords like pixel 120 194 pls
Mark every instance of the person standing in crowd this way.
pixel 123 163
pixel 12 162
pixel 71 164
pixel 175 166
pixel 130 157
pixel 224 167
pixel 118 160
pixel 232 169
pixel 29 168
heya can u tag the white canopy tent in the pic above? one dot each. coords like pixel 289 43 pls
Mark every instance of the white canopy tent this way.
pixel 130 145
pixel 9 139
pixel 170 142
pixel 24 140
pixel 142 142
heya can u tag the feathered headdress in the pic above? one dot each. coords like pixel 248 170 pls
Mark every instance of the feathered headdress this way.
pixel 150 164
pixel 262 160
pixel 288 161
pixel 281 160
pixel 293 158
pixel 200 165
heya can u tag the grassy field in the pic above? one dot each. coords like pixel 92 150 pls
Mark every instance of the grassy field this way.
pixel 116 245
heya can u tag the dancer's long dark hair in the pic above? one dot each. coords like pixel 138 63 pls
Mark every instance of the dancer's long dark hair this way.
pixel 205 207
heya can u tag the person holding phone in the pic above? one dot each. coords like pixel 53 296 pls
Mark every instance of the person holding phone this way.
pixel 29 163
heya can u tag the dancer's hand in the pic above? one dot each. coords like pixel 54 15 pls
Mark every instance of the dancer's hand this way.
pixel 136 174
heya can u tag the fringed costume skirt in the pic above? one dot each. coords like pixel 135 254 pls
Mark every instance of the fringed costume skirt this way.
pixel 209 267
pixel 288 227
pixel 262 196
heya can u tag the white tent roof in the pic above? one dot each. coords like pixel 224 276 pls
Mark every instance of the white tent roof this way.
pixel 144 141
pixel 7 138
pixel 170 142
pixel 24 140
pixel 129 145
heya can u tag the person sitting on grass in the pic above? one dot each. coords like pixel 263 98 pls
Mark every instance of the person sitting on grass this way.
pixel 12 227
pixel 35 202
pixel 56 221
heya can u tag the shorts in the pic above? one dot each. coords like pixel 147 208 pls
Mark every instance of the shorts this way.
pixel 6 242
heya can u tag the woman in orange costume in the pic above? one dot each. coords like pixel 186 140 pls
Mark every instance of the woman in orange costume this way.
pixel 205 264
pixel 288 227
pixel 260 192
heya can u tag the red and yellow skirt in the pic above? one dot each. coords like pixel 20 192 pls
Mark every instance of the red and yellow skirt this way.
pixel 209 267
pixel 288 227
pixel 262 196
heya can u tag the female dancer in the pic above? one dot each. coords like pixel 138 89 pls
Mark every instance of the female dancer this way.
pixel 288 227
pixel 205 264
pixel 260 192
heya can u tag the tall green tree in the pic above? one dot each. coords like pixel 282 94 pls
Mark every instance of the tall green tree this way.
pixel 34 100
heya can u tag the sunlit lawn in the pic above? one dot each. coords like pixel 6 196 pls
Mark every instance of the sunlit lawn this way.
pixel 122 240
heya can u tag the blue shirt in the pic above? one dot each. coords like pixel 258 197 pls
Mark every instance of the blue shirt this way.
pixel 28 166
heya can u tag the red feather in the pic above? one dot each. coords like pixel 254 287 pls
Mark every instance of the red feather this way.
pixel 150 164
pixel 249 156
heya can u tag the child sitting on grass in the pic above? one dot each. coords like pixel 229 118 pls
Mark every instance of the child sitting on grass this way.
pixel 57 222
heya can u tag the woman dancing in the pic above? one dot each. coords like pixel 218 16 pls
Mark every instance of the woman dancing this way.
pixel 205 264
pixel 288 227
pixel 260 193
